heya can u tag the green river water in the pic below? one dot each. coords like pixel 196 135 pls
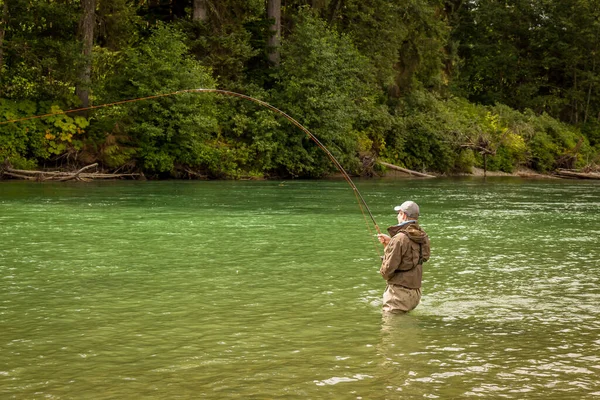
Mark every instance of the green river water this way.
pixel 262 290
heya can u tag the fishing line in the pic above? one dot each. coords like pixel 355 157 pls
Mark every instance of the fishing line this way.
pixel 359 198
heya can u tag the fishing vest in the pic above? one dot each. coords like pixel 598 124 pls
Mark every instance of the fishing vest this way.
pixel 404 264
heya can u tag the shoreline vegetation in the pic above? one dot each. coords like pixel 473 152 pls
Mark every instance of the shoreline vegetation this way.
pixel 91 172
pixel 435 88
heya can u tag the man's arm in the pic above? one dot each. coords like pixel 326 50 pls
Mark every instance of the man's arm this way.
pixel 426 250
pixel 391 259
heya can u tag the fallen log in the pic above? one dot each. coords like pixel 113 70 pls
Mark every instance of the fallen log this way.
pixel 26 177
pixel 76 174
pixel 535 175
pixel 563 173
pixel 405 170
pixel 60 176
pixel 196 174
pixel 99 175
pixel 34 173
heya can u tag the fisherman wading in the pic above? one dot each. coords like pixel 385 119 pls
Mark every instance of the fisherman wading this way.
pixel 406 249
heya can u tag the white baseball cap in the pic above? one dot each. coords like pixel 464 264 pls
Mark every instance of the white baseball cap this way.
pixel 409 208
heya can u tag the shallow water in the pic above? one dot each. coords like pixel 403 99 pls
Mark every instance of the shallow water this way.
pixel 260 290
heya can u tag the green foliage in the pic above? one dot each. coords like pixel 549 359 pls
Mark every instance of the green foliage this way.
pixel 323 81
pixel 540 55
pixel 61 138
pixel 465 161
pixel 39 138
pixel 403 39
pixel 431 133
pixel 248 132
pixel 117 24
pixel 40 50
pixel 451 135
pixel 422 144
pixel 543 152
pixel 228 47
pixel 14 138
pixel 170 130
pixel 424 84
pixel 548 142
pixel 501 161
pixel 591 130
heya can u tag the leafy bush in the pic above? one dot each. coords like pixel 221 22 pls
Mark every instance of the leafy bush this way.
pixel 165 131
pixel 592 132
pixel 248 133
pixel 19 139
pixel 425 146
pixel 430 132
pixel 548 142
pixel 323 82
pixel 543 152
pixel 39 138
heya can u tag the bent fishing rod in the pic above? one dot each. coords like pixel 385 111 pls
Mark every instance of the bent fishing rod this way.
pixel 361 201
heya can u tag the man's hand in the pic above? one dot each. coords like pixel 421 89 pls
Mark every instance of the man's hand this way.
pixel 384 239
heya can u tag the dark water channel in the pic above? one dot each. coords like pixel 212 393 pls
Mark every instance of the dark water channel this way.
pixel 257 290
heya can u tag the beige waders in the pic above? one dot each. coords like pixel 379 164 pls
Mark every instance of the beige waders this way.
pixel 399 299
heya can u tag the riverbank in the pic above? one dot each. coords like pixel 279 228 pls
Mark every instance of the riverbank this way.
pixel 529 173
pixel 478 172
pixel 8 173
pixel 518 173
pixel 521 172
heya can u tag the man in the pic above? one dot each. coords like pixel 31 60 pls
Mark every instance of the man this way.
pixel 406 249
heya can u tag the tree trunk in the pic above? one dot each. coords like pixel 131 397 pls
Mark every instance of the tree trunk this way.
pixel 575 120
pixel 333 10
pixel 318 4
pixel 405 170
pixel 178 8
pixel 199 12
pixel 274 13
pixel 589 95
pixel 3 22
pixel 484 164
pixel 86 34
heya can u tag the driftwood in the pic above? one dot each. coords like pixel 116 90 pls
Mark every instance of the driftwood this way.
pixel 78 175
pixel 565 173
pixel 196 174
pixel 26 177
pixel 407 171
pixel 535 175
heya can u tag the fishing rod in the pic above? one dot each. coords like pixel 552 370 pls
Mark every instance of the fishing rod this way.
pixel 360 199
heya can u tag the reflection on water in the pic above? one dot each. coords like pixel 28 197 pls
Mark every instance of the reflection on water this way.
pixel 255 290
pixel 468 357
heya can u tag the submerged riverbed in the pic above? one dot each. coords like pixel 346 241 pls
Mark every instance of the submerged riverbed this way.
pixel 262 290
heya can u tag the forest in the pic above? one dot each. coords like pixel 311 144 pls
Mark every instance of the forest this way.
pixel 441 86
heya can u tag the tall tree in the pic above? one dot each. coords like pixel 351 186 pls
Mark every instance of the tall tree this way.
pixel 117 23
pixel 233 33
pixel 536 54
pixel 3 21
pixel 199 12
pixel 405 40
pixel 325 81
pixel 39 50
pixel 86 33
pixel 274 14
